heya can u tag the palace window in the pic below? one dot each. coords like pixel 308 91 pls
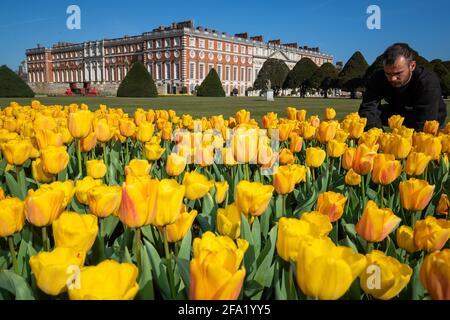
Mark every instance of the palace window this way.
pixel 235 71
pixel 242 74
pixel 235 48
pixel 219 45
pixel 176 41
pixel 202 71
pixel 219 71
pixel 227 47
pixel 158 71
pixel 166 43
pixel 227 73
pixel 210 44
pixel 201 43
pixel 167 75
pixel 192 42
pixel 192 70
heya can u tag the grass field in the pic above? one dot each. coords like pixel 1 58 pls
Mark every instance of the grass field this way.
pixel 198 107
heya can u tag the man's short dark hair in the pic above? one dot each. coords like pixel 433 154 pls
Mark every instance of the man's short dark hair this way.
pixel 398 50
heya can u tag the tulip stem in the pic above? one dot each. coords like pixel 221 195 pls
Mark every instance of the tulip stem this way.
pixel 137 241
pixel 45 239
pixel 21 183
pixel 80 168
pixel 247 175
pixel 13 254
pixel 127 159
pixel 382 197
pixel 363 192
pixel 169 264
pixel 290 283
pixel 105 160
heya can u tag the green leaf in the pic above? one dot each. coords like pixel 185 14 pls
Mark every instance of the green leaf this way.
pixel 16 285
pixel 158 269
pixel 109 224
pixel 185 247
pixel 13 186
pixel 256 236
pixel 183 267
pixel 146 291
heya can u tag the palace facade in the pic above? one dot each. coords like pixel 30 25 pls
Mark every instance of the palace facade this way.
pixel 176 56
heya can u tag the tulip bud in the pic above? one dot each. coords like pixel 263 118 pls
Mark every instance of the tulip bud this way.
pixel 332 204
pixel 12 217
pixel 96 168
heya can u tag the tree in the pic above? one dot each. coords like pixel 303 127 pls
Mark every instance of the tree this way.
pixel 324 78
pixel 12 86
pixel 444 76
pixel 298 77
pixel 351 78
pixel 447 64
pixel 378 65
pixel 211 86
pixel 137 83
pixel 274 70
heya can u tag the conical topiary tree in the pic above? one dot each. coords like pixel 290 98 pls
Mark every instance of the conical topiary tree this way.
pixel 12 86
pixel 211 86
pixel 137 83
pixel 298 77
pixel 351 76
pixel 274 70
pixel 324 78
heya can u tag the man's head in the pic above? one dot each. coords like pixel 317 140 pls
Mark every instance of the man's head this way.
pixel 399 64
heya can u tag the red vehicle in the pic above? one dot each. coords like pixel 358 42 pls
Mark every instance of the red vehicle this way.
pixel 86 90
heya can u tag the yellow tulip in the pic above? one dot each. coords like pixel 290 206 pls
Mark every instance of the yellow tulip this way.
pixel 376 223
pixel 242 116
pixel 252 198
pixel 52 270
pixel 103 131
pixel 138 167
pixel 292 231
pixel 12 217
pixel 286 157
pixel 96 168
pixel 67 187
pixel 215 268
pixel 395 121
pixel 221 191
pixel 331 204
pixel 104 200
pixel 153 151
pixel 138 198
pixel 109 280
pixel 38 172
pixel 435 276
pixel 169 201
pixel 54 159
pixel 291 113
pixel 301 114
pixel 385 169
pixel 2 193
pixel 415 194
pixel 348 157
pixel 431 127
pixel 352 178
pixel 428 144
pixel 175 164
pixel 295 143
pixel 229 221
pixel 330 113
pixel 405 238
pixel 307 131
pixel 82 186
pixel 245 145
pixel 197 185
pixel 43 206
pixel 335 149
pixel 431 234
pixel 391 278
pixel 16 152
pixel 76 231
pixel 416 163
pixel 363 159
pixel 46 138
pixel 177 230
pixel 284 129
pixel 443 205
pixel 326 271
pixel 287 176
pixel 88 143
pixel 326 131
pixel 315 157
pixel 127 127
pixel 144 131
pixel 80 123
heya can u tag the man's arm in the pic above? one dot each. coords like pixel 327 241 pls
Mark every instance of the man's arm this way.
pixel 426 107
pixel 369 106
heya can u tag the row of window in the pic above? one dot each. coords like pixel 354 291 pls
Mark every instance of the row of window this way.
pixel 36 57
pixel 123 49
pixel 197 71
pixel 167 42
pixel 218 45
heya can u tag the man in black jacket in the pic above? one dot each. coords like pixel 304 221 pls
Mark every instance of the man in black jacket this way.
pixel 410 91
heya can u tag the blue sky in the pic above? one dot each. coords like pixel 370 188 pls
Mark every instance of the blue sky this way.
pixel 338 27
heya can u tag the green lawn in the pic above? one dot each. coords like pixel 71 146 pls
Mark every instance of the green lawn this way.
pixel 197 106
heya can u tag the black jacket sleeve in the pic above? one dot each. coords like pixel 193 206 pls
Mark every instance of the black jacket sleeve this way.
pixel 370 105
pixel 426 106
